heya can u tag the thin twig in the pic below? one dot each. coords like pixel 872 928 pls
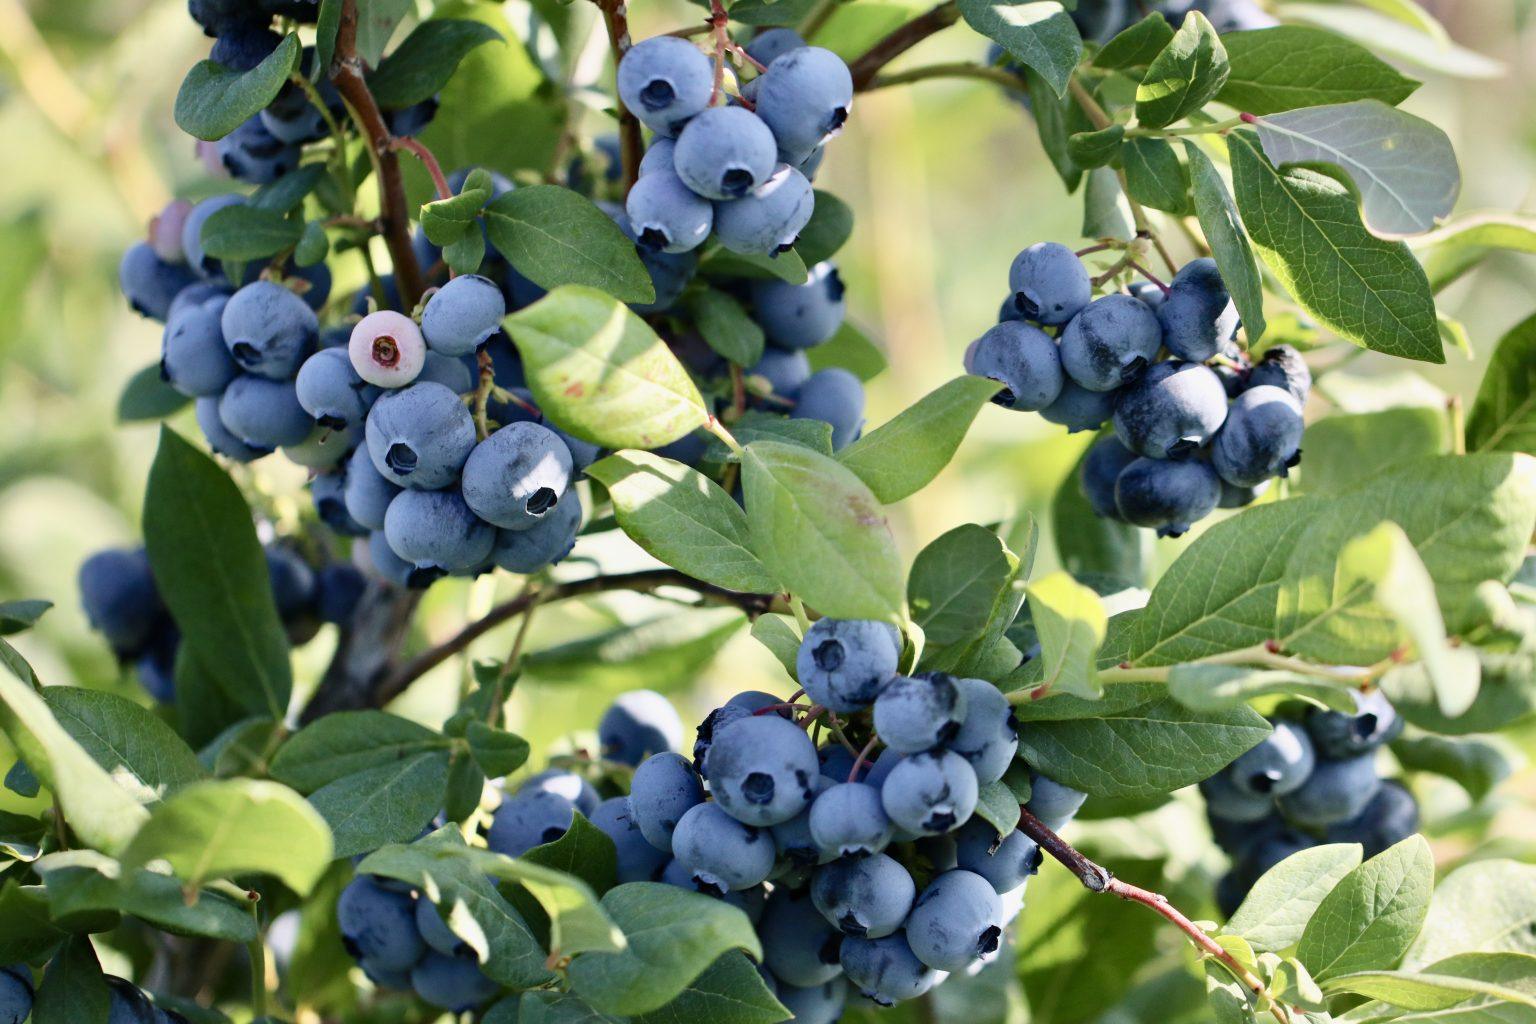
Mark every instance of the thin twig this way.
pixel 428 160
pixel 900 40
pixel 631 145
pixel 955 69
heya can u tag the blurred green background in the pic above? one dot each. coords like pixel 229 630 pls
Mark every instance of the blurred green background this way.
pixel 947 180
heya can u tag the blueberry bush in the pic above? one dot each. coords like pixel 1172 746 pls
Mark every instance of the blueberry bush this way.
pixel 445 355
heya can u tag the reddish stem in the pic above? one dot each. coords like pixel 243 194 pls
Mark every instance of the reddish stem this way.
pixel 428 160
pixel 863 759
pixel 1144 272
pixel 900 40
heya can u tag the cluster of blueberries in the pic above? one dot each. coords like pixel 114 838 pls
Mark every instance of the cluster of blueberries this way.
pixel 740 170
pixel 1102 20
pixel 128 1004
pixel 1313 780
pixel 1196 425
pixel 123 604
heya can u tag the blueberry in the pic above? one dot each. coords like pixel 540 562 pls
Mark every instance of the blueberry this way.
pixel 1197 315
pixel 1283 367
pixel 638 724
pixel 987 737
pixel 1241 497
pixel 670 271
pixel 1151 296
pixel 1102 466
pixel 799 316
pixel 804 97
pixel 1271 851
pixel 658 155
pixel 1167 495
pixel 848 820
pixel 786 371
pixel 793 840
pixel 1225 15
pixel 638 860
pixel 724 153
pixel 560 782
pixel 399 981
pixel 867 897
pixel 844 663
pixel 666 215
pixel 800 947
pixel 665 786
pixel 917 713
pixel 330 390
pixel 437 532
pixel 1278 765
pixel 128 1005
pixel 379 924
pixel 252 153
pixel 956 921
pixel 220 438
pixel 339 588
pixel 390 567
pixel 1172 410
pixel 1390 817
pixel 837 763
pixel 367 494
pixel 1024 360
pixel 1053 803
pixel 264 413
pixel 1110 343
pixel 244 46
pixel 822 1004
pixel 149 283
pixel 220 17
pixel 1335 791
pixel 434 932
pixel 292 581
pixel 886 970
pixel 528 551
pixel 713 723
pixel 413 120
pixel 762 769
pixel 720 853
pixel 15 995
pixel 156 667
pixel 269 330
pixel 836 397
pixel 452 983
pixel 387 349
pixel 1006 862
pixel 462 314
pixel 209 268
pixel 665 81
pixel 768 219
pixel 929 794
pixel 1338 735
pixel 517 476
pixel 1226 802
pixel 453 373
pixel 769 44
pixel 1050 284
pixel 197 294
pixel 420 437
pixel 1102 20
pixel 884 764
pixel 1077 408
pixel 1261 438
pixel 528 819
pixel 120 598
pixel 193 358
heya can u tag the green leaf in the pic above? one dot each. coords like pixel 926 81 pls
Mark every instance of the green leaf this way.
pixel 1503 417
pixel 236 826
pixel 74 990
pixel 1501 982
pixel 98 810
pixel 1371 918
pixel 1403 167
pixel 1088 544
pixel 759 425
pixel 1343 450
pixel 136 748
pixel 214 101
pixel 600 373
pixel 1226 997
pixel 996 804
pixel 830 226
pixel 1307 228
pixel 83 882
pixel 244 232
pixel 726 327
pixel 147 397
pixel 900 457
pixel 286 193
pixel 673 936
pixel 1465 242
pixel 1056 119
pixel 547 1007
pixel 1071 622
pixel 1432 991
pixel 1488 906
pixel 956 583
pixel 212 575
pixel 556 237
pixel 1040 36
pixel 785 266
pixel 1276 910
pixel 672 648
pixel 19 616
pixel 1188 73
pixel 376 23
pixel 849 348
pixel 584 851
pixel 820 531
pixel 391 803
pixel 1154 175
pixel 778 633
pixel 427 58
pixel 1477 765
pixel 1291 66
pixel 684 519
pixel 313 245
pixel 1137 46
pixel 25 929
pixel 498 753
pixel 1229 242
pixel 1096 148
pixel 578 922
pixel 730 991
pixel 1206 687
pixel 349 742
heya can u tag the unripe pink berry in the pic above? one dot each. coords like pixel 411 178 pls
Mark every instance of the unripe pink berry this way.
pixel 165 231
pixel 387 349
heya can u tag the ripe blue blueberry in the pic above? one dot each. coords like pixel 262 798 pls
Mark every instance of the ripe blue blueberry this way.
pixel 720 853
pixel 917 713
pixel 120 598
pixel 1271 850
pixel 1335 791
pixel 517 476
pixel 848 820
pixel 886 970
pixel 379 924
pixel 665 81
pixel 269 330
pixel 1338 735
pixel 1053 803
pixel 837 763
pixel 836 397
pixel 1110 343
pixel 1225 15
pixel 798 316
pixel 1278 765
pixel 1102 466
pixel 1077 408
pixel 528 819
pixel 822 1004
pixel 956 921
pixel 800 946
pixel 885 763
pixel 1261 438
pixel 264 413
pixel 251 153
pixel 769 44
pixel 1198 315
pixel 329 493
pixel 793 840
pixel 1025 360
pixel 567 784
pixel 930 794
pixel 292 581
pixel 437 532
pixel 220 438
pixel 528 551
pixel 339 587
pixel 244 46
pixel 197 294
pixel 638 860
pixel 768 219
pixel 420 436
pixel 452 983
pixel 785 370
pixel 666 215
pixel 724 153
pixel 867 897
pixel 193 358
pixel 987 737
pixel 658 155
pixel 330 390
pixel 804 97
pixel 1167 495
pixel 453 373
pixel 1171 410
pixel 367 493
pixel 1226 802
pixel 1241 497
pixel 670 271
pixel 386 565
pixel 762 769
pixel 1050 284
pixel 1390 817
pixel 149 283
pixel 15 994
pixel 665 786
pixel 128 1005
pixel 1102 20
pixel 462 314
pixel 435 932
pixel 638 724
pixel 208 267
pixel 843 663
pixel 1006 862
pixel 1283 367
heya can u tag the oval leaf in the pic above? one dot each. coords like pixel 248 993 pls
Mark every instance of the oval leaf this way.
pixel 1188 73
pixel 1041 36
pixel 900 457
pixel 214 100
pixel 555 237
pixel 422 64
pixel 1291 66
pixel 1503 418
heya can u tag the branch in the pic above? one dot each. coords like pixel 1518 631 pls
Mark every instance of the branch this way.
pixel 631 146
pixel 899 41
pixel 429 161
pixel 347 74
pixel 958 69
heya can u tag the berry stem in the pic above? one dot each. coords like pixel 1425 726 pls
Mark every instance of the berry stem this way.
pixel 899 41
pixel 257 948
pixel 714 426
pixel 631 145
pixel 862 759
pixel 1458 416
pixel 1144 272
pixel 428 159
pixel 1214 128
pixel 483 394
pixel 954 69
pixel 719 23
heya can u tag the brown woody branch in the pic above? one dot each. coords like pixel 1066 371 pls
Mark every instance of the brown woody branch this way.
pixel 631 146
pixel 900 40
